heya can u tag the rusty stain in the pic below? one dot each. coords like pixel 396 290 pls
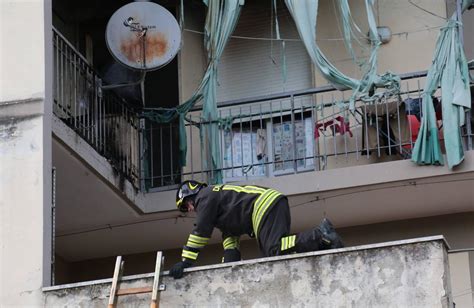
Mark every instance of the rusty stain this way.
pixel 156 47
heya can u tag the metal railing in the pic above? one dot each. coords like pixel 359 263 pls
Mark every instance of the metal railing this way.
pixel 259 137
pixel 298 132
pixel 101 118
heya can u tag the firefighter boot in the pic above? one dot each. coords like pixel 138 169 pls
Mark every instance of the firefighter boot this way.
pixel 331 239
pixel 311 240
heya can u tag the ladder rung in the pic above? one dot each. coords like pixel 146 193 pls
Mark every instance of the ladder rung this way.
pixel 134 291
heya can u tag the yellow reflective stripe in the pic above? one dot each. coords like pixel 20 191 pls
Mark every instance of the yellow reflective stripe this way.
pixel 192 244
pixel 232 187
pixel 256 188
pixel 231 242
pixel 292 241
pixel 257 207
pixel 244 189
pixel 283 243
pixel 198 239
pixel 266 204
pixel 261 206
pixel 258 203
pixel 288 242
pixel 189 254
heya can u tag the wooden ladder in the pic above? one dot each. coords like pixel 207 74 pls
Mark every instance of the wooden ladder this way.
pixel 115 291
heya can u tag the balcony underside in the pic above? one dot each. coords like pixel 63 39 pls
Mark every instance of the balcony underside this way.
pixel 95 219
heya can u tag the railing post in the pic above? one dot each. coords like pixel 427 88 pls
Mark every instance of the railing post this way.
pixel 295 152
pixel 53 225
pixel 461 40
pixel 97 97
pixel 141 153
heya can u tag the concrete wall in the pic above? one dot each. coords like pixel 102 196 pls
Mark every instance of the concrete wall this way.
pixel 410 273
pixel 461 282
pixel 468 27
pixel 192 56
pixel 458 229
pixel 25 151
pixel 413 40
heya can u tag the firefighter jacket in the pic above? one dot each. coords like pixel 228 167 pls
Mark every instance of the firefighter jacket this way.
pixel 235 210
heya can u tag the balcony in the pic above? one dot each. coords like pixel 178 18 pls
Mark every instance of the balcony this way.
pixel 260 137
pixel 327 159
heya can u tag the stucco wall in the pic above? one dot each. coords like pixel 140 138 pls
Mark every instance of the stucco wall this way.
pixel 25 151
pixel 412 273
pixel 413 40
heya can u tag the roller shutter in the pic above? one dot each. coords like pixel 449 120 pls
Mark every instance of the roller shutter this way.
pixel 251 68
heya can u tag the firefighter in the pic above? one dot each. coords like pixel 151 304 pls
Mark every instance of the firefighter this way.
pixel 260 212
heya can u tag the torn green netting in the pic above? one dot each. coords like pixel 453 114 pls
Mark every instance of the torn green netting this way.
pixel 305 12
pixel 450 71
pixel 220 22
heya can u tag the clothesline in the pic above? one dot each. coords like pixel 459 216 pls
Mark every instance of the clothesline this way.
pixel 299 40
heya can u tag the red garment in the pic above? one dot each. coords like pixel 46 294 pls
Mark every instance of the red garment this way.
pixel 342 128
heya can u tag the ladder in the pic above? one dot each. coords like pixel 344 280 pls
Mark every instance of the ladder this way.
pixel 115 291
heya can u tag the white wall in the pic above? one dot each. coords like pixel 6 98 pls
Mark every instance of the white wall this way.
pixel 25 150
pixel 461 283
pixel 468 27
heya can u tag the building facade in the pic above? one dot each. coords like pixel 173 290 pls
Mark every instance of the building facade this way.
pixel 86 175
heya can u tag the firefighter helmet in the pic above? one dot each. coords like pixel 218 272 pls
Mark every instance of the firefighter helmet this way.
pixel 187 189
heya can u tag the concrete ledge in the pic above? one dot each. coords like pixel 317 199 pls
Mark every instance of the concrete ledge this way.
pixel 363 175
pixel 95 161
pixel 143 203
pixel 408 273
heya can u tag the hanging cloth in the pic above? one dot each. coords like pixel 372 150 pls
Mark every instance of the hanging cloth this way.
pixel 304 13
pixel 221 19
pixel 449 69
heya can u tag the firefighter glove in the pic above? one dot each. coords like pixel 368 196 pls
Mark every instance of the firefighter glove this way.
pixel 177 270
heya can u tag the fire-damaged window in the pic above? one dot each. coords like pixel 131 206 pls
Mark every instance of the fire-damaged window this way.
pixel 270 146
pixel 245 150
pixel 292 144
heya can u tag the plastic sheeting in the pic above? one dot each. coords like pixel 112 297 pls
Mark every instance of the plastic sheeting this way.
pixel 450 71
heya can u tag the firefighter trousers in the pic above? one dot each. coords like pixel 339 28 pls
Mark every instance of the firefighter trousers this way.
pixel 274 237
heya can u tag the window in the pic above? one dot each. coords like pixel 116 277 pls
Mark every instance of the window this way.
pixel 244 151
pixel 287 145
pixel 268 147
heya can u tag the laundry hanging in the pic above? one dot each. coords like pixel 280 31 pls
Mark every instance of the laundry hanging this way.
pixel 450 71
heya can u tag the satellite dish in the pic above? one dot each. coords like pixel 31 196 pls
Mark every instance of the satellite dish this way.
pixel 143 36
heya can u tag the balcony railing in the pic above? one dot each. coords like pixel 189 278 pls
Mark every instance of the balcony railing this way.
pixel 101 118
pixel 264 136
pixel 301 131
